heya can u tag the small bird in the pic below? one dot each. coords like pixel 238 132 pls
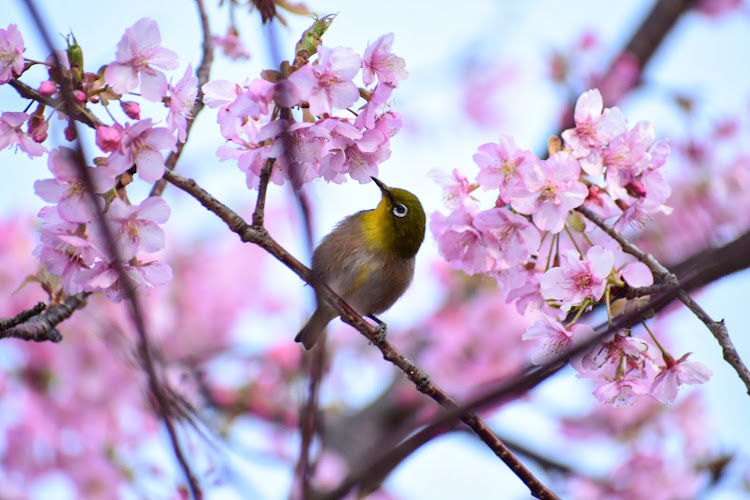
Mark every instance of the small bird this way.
pixel 368 259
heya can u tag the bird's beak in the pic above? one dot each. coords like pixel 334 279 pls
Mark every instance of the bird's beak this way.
pixel 384 189
pixel 382 186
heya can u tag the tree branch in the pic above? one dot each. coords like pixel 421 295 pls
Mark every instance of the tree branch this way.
pixel 260 237
pixel 144 347
pixel 203 72
pixel 717 328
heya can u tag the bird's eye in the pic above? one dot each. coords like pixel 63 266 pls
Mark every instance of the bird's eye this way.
pixel 400 210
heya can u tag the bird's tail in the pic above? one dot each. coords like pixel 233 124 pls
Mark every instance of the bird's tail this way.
pixel 311 332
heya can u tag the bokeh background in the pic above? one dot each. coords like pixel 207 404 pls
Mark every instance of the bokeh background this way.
pixel 477 69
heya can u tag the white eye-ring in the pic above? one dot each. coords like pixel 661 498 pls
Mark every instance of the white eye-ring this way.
pixel 400 210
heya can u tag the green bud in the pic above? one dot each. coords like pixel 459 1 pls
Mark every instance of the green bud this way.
pixel 311 37
pixel 75 53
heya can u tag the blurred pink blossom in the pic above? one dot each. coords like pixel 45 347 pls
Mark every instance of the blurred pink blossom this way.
pixel 232 45
pixel 67 189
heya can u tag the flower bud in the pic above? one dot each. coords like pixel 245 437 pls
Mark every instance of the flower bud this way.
pixel 132 109
pixel 636 189
pixel 79 96
pixel 108 138
pixel 39 130
pixel 75 53
pixel 70 133
pixel 48 88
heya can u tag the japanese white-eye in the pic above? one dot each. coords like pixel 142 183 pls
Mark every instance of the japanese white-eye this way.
pixel 368 259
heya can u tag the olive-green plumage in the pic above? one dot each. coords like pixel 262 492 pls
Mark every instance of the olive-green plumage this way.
pixel 368 259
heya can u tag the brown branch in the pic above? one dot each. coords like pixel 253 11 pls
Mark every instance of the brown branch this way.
pixel 309 420
pixel 41 327
pixel 717 328
pixel 260 204
pixel 79 113
pixel 203 72
pixel 128 288
pixel 22 316
pixel 260 237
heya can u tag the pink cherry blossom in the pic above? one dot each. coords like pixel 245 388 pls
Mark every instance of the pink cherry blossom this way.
pixel 594 129
pixel 620 345
pixel 379 96
pixel 550 189
pixel 621 390
pixel 676 373
pixel 299 151
pixel 136 228
pixel 47 88
pixel 379 60
pixel 501 164
pixel 252 151
pixel 577 280
pixel 327 83
pixel 67 188
pixel 456 187
pixel 11 53
pixel 138 52
pixel 460 243
pixel 558 339
pixel 109 138
pixel 64 250
pixel 353 151
pixel 105 278
pixel 508 236
pixel 181 100
pixel 231 45
pixel 141 144
pixel 131 108
pixel 11 133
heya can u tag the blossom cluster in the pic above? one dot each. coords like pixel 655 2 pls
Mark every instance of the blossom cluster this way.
pixel 73 245
pixel 547 258
pixel 323 144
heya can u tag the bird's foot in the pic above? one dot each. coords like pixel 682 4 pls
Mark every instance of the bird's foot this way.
pixel 381 329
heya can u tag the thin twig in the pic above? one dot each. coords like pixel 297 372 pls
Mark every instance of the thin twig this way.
pixel 260 237
pixel 203 72
pixel 717 328
pixel 41 327
pixel 126 283
pixel 83 115
pixel 309 423
pixel 260 205
pixel 22 316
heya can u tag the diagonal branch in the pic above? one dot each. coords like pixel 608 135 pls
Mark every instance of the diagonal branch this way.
pixel 717 328
pixel 127 285
pixel 260 237
pixel 203 72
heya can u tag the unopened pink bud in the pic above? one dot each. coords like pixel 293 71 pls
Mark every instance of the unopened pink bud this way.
pixel 79 96
pixel 132 109
pixel 70 133
pixel 636 189
pixel 39 131
pixel 108 138
pixel 48 88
